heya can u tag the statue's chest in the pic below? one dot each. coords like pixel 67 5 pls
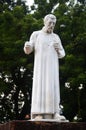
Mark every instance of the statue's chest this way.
pixel 44 40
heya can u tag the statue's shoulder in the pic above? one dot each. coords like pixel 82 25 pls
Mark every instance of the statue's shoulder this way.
pixel 55 35
pixel 36 33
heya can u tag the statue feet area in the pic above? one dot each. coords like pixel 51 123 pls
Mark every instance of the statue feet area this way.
pixel 50 118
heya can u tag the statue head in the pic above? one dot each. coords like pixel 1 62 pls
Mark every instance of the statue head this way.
pixel 49 22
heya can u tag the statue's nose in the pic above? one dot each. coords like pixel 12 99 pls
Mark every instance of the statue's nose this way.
pixel 52 24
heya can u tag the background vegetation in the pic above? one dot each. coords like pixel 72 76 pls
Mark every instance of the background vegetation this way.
pixel 17 22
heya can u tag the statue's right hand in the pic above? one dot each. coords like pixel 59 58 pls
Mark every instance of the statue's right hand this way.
pixel 26 44
pixel 27 48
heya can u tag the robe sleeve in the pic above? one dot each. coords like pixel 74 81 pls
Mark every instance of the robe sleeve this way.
pixel 61 51
pixel 29 45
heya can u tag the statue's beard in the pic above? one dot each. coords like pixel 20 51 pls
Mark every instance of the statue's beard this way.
pixel 48 29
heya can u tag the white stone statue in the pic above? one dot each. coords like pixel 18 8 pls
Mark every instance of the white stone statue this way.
pixel 45 91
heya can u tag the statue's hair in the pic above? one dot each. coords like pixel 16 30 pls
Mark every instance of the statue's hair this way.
pixel 49 16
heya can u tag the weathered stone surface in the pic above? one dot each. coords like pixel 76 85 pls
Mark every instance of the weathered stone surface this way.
pixel 39 125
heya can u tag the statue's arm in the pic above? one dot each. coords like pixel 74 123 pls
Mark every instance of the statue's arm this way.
pixel 29 45
pixel 59 48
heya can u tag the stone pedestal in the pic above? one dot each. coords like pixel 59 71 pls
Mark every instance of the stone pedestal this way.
pixel 42 125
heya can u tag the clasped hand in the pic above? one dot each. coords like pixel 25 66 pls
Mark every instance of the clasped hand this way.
pixel 56 46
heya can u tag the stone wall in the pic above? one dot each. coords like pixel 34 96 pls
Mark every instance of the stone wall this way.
pixel 39 125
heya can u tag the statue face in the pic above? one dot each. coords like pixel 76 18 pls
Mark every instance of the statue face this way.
pixel 49 25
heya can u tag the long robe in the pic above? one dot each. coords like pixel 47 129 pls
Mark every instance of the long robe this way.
pixel 45 90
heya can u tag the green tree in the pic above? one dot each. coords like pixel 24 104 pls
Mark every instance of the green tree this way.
pixel 15 68
pixel 71 27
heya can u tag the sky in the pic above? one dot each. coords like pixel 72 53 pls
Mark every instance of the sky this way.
pixel 29 2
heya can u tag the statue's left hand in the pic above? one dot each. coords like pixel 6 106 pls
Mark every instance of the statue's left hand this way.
pixel 56 46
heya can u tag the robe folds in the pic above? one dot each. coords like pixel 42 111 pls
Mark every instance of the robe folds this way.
pixel 45 89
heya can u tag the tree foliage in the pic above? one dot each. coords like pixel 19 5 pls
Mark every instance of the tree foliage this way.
pixel 16 69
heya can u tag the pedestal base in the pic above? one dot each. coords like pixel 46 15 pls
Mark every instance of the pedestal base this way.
pixel 49 120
